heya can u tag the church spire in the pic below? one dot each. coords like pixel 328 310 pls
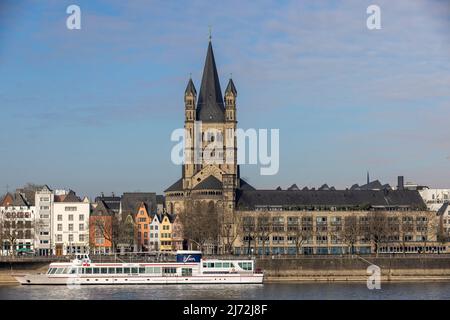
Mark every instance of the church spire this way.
pixel 210 106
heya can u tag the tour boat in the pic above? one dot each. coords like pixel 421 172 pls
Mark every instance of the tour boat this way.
pixel 189 268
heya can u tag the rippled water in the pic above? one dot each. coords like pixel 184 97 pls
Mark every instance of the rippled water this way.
pixel 266 291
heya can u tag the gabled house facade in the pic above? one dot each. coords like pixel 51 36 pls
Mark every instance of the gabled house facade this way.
pixel 17 219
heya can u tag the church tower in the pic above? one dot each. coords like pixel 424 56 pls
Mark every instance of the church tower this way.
pixel 210 174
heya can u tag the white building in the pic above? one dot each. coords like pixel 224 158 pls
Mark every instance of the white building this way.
pixel 155 242
pixel 17 223
pixel 435 198
pixel 70 224
pixel 44 199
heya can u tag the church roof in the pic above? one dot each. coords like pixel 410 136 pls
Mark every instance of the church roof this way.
pixel 243 185
pixel 211 183
pixel 231 88
pixel 347 198
pixel 177 186
pixel 210 106
pixel 190 88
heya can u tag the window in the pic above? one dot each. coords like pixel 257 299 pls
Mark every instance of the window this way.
pixel 71 227
pixel 169 270
pixel 59 237
pixel 59 217
pixel 126 270
pixel 70 237
pixel 96 270
pixel 70 217
pixel 45 208
pixel 81 217
pixel 81 227
pixel 111 270
pixel 59 227
pixel 245 265
pixel 81 238
pixel 103 270
pixel 119 270
pixel 186 272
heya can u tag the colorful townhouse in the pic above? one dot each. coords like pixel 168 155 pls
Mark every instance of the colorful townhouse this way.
pixel 101 228
pixel 143 222
pixel 170 233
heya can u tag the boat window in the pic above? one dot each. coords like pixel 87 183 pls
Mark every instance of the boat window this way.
pixel 83 270
pixel 103 270
pixel 186 272
pixel 126 270
pixel 226 264
pixel 218 265
pixel 148 269
pixel 156 269
pixel 65 270
pixel 134 270
pixel 245 265
pixel 96 270
pixel 119 270
pixel 141 269
pixel 73 271
pixel 169 270
pixel 111 270
pixel 59 270
pixel 88 270
pixel 51 271
pixel 205 265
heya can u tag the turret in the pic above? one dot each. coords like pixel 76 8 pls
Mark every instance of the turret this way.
pixel 230 101
pixel 190 97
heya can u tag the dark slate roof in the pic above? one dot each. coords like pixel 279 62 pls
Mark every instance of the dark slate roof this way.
pixel 324 187
pixel 18 200
pixel 372 185
pixel 177 186
pixel 343 198
pixel 101 209
pixel 71 197
pixel 210 183
pixel 160 199
pixel 305 188
pixel 442 209
pixel 113 203
pixel 245 186
pixel 354 187
pixel 231 88
pixel 132 200
pixel 278 188
pixel 210 107
pixel 190 88
pixel 293 187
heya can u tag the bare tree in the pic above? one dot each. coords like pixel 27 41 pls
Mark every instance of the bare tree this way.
pixel 263 229
pixel 127 232
pixel 351 232
pixel 378 228
pixel 108 227
pixel 300 230
pixel 200 223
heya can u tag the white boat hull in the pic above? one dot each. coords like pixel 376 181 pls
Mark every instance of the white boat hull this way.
pixel 44 279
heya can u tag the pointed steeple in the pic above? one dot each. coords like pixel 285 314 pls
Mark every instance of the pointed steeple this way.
pixel 231 88
pixel 190 88
pixel 210 106
pixel 368 180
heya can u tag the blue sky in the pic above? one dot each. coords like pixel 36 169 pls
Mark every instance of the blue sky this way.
pixel 93 109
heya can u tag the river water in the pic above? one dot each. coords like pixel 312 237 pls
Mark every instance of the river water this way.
pixel 269 291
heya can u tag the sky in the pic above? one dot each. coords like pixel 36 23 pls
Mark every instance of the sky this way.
pixel 93 109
